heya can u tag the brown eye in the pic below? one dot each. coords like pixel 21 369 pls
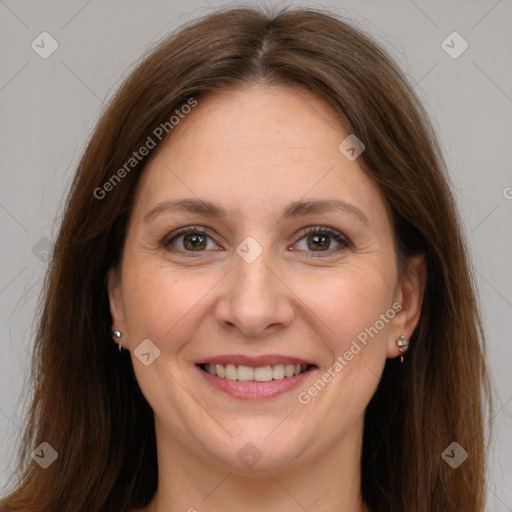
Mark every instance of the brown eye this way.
pixel 189 240
pixel 322 240
pixel 194 242
pixel 318 242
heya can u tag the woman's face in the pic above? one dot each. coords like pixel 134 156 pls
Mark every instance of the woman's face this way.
pixel 256 249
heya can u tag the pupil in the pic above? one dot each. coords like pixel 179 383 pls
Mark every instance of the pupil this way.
pixel 195 241
pixel 319 241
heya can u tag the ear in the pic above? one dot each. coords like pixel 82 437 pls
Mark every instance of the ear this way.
pixel 409 294
pixel 115 297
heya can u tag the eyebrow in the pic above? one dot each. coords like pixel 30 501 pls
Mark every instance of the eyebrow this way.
pixel 293 210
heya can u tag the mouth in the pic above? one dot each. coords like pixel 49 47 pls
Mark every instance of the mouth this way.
pixel 255 377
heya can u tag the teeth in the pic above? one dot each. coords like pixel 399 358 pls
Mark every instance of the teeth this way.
pixel 231 372
pixel 246 373
pixel 263 373
pixel 278 371
pixel 259 374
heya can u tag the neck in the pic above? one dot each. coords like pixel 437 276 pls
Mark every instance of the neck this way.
pixel 328 481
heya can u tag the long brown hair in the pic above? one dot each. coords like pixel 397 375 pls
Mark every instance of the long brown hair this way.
pixel 86 401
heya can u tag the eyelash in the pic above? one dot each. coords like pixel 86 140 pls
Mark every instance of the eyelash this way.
pixel 324 230
pixel 315 230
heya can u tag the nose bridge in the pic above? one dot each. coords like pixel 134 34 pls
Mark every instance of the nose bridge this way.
pixel 254 298
pixel 252 274
pixel 254 279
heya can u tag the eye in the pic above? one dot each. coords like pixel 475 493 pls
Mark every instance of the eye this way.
pixel 317 239
pixel 322 240
pixel 191 239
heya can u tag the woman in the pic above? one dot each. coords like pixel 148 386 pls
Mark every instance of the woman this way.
pixel 262 224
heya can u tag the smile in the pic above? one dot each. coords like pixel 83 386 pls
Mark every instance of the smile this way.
pixel 254 378
pixel 259 374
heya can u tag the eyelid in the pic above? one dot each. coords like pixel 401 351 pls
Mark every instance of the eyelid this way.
pixel 342 239
pixel 168 239
pixel 322 229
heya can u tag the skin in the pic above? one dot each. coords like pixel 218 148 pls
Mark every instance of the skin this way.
pixel 252 151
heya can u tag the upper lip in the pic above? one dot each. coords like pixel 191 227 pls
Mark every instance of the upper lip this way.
pixel 254 361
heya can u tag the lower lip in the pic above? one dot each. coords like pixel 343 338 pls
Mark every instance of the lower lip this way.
pixel 252 390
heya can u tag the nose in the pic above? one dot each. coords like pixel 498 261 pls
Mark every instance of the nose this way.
pixel 255 301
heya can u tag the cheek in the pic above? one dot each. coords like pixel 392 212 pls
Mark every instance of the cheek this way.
pixel 350 303
pixel 160 303
pixel 164 306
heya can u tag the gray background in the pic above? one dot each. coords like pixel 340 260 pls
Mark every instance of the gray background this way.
pixel 49 106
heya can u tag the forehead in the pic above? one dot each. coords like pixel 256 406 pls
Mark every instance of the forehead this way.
pixel 255 146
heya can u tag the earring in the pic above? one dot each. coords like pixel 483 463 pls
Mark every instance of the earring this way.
pixel 117 334
pixel 403 343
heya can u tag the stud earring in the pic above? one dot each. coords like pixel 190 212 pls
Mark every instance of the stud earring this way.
pixel 403 343
pixel 117 334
